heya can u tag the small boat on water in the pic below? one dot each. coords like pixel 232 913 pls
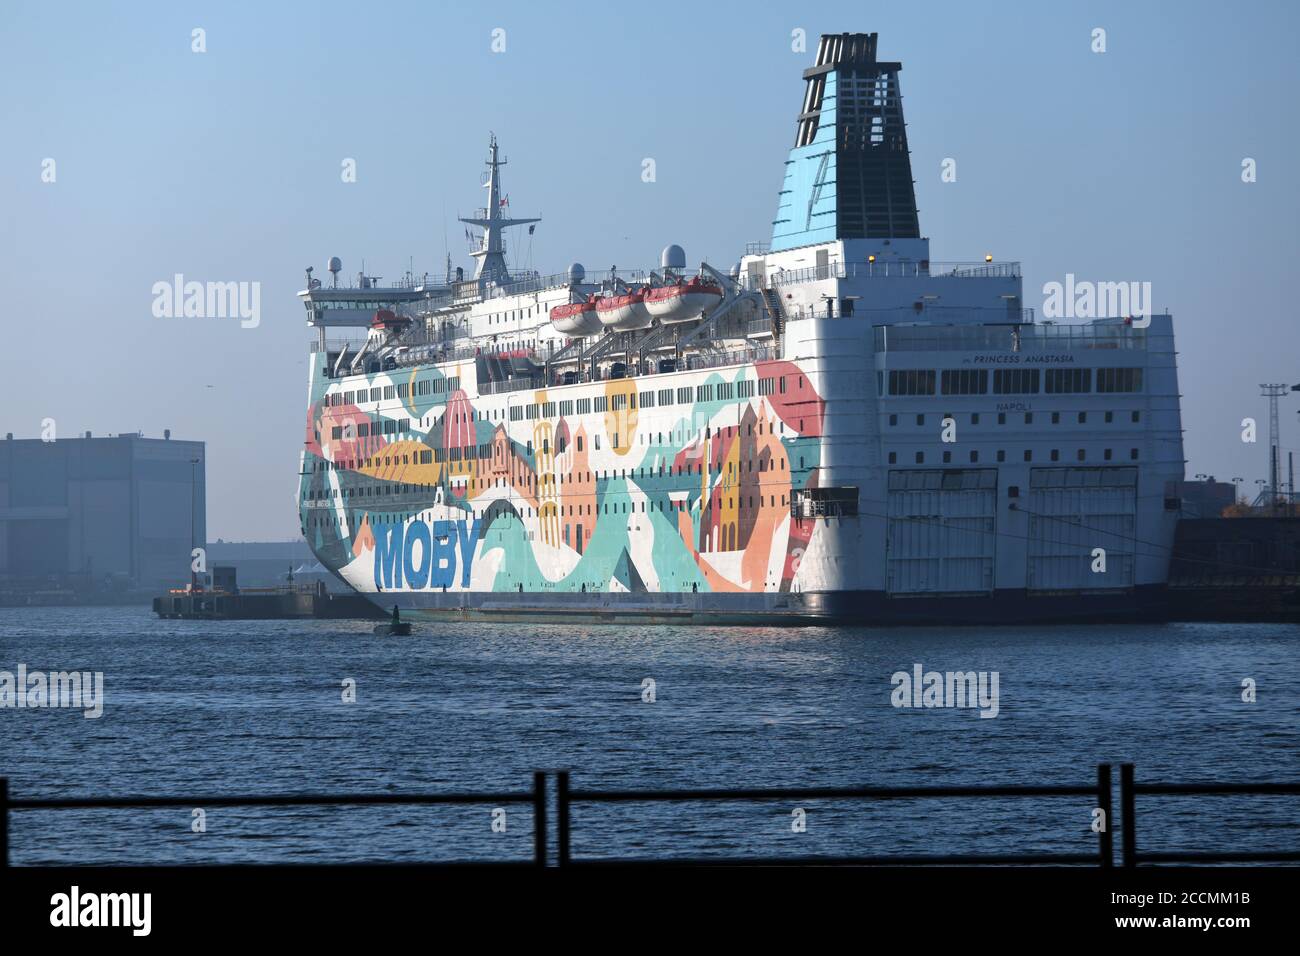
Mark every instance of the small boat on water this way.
pixel 394 628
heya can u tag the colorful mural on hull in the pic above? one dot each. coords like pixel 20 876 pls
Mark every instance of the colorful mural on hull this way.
pixel 670 483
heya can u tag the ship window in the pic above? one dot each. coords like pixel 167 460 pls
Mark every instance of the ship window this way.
pixel 1133 454
pixel 1002 454
pixel 1110 417
pixel 374 394
pixel 647 399
pixel 920 419
pixel 1002 418
pixel 1137 417
pixel 910 382
pixel 947 457
pixel 975 418
pixel 1029 418
pixel 1029 454
pixel 1119 379
pixel 1106 454
pixel 893 420
pixel 893 457
pixel 1080 455
pixel 1061 381
pixel 402 390
pixel 1056 454
pixel 1015 381
pixel 1056 418
pixel 964 381
pixel 920 457
pixel 388 391
pixel 974 456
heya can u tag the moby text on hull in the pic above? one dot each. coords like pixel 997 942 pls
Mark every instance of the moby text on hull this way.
pixel 834 428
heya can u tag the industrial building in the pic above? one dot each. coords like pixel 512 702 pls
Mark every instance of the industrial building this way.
pixel 116 514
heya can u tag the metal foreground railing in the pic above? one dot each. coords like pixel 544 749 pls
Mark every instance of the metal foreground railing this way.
pixel 1129 789
pixel 1100 791
pixel 567 796
pixel 535 797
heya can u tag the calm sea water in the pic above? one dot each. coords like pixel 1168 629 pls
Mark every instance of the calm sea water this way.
pixel 254 707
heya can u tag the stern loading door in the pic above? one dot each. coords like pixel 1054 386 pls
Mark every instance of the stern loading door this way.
pixel 1073 511
pixel 941 531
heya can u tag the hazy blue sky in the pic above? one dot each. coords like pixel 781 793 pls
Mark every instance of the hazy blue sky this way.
pixel 225 165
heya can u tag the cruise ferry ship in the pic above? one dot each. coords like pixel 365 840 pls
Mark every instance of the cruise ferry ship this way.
pixel 836 428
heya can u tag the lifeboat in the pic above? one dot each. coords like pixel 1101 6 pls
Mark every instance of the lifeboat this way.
pixel 387 319
pixel 683 301
pixel 624 313
pixel 576 318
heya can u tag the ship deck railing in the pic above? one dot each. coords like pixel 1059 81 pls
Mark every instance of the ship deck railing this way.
pixel 1005 336
pixel 634 370
pixel 931 316
pixel 896 269
pixel 535 282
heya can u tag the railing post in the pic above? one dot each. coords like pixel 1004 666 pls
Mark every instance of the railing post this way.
pixel 539 818
pixel 4 821
pixel 1105 846
pixel 1130 816
pixel 562 817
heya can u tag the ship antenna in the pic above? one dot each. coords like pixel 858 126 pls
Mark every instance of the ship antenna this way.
pixel 491 253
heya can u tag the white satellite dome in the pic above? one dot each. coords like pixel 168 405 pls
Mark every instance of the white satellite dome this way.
pixel 673 257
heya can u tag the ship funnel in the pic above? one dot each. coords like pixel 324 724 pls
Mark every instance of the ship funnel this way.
pixel 849 175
